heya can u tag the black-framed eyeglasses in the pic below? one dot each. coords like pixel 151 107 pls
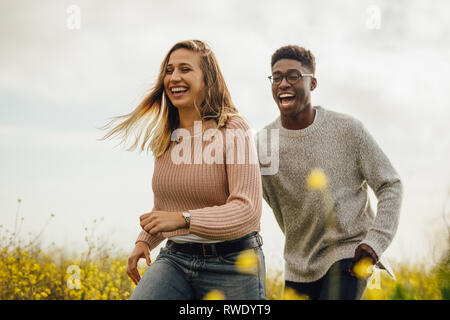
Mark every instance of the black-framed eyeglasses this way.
pixel 291 77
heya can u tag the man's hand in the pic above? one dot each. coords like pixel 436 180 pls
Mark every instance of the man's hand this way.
pixel 159 221
pixel 362 253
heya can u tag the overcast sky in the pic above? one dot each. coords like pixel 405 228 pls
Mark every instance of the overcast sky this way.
pixel 383 62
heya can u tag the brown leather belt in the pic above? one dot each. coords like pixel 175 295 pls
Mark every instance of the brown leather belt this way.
pixel 217 249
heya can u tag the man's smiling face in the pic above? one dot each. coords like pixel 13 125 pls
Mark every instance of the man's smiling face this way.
pixel 292 99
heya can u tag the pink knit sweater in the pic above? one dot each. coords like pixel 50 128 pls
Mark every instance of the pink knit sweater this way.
pixel 224 197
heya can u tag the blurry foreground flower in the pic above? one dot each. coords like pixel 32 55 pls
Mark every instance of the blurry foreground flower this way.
pixel 214 295
pixel 291 294
pixel 317 180
pixel 363 268
pixel 246 261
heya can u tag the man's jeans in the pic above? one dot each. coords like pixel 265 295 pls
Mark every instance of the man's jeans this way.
pixel 337 284
pixel 178 276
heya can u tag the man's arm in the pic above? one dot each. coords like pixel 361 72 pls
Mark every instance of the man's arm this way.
pixel 386 184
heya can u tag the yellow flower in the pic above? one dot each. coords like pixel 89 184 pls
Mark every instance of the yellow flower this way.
pixel 363 268
pixel 317 180
pixel 214 295
pixel 291 294
pixel 246 261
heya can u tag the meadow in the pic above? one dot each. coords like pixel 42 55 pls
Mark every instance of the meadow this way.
pixel 30 271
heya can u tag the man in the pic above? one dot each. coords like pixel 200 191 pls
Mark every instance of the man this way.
pixel 319 193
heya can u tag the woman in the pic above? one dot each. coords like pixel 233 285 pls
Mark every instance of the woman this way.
pixel 207 190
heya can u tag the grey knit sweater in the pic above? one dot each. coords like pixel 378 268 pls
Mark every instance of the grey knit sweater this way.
pixel 324 226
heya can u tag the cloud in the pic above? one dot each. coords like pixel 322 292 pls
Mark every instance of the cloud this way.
pixel 25 137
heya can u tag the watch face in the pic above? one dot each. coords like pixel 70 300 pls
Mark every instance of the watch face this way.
pixel 186 215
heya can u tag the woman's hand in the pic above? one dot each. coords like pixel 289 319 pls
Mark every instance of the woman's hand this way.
pixel 141 250
pixel 159 221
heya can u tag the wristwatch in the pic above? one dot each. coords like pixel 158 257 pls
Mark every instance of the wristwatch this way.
pixel 187 219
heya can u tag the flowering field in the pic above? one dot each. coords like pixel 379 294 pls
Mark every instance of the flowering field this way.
pixel 29 271
pixel 34 274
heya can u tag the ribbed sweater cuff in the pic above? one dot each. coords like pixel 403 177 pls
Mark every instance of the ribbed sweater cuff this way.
pixel 375 243
pixel 150 240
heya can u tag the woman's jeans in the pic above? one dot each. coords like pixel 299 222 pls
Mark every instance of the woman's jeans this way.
pixel 178 276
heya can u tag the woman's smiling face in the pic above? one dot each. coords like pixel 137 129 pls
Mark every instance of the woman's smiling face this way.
pixel 183 80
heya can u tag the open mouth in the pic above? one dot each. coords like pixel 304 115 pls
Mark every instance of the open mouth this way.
pixel 178 91
pixel 286 99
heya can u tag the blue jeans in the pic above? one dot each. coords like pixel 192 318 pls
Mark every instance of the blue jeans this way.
pixel 337 284
pixel 178 276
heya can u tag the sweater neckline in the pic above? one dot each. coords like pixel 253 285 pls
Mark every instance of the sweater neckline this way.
pixel 209 123
pixel 319 119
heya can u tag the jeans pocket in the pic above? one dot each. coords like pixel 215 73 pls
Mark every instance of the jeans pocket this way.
pixel 248 257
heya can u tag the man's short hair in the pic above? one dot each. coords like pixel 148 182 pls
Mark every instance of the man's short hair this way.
pixel 296 53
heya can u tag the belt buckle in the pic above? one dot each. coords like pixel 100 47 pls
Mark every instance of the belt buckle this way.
pixel 208 247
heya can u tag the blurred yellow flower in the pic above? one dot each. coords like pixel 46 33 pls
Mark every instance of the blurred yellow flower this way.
pixel 317 180
pixel 246 261
pixel 291 294
pixel 214 295
pixel 363 268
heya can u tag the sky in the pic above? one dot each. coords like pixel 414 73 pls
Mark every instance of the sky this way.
pixel 64 75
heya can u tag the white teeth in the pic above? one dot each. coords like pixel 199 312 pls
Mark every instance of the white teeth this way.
pixel 178 89
pixel 285 95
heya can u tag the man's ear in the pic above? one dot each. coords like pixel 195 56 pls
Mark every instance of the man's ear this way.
pixel 313 83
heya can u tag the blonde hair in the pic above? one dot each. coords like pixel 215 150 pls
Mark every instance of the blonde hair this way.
pixel 156 117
